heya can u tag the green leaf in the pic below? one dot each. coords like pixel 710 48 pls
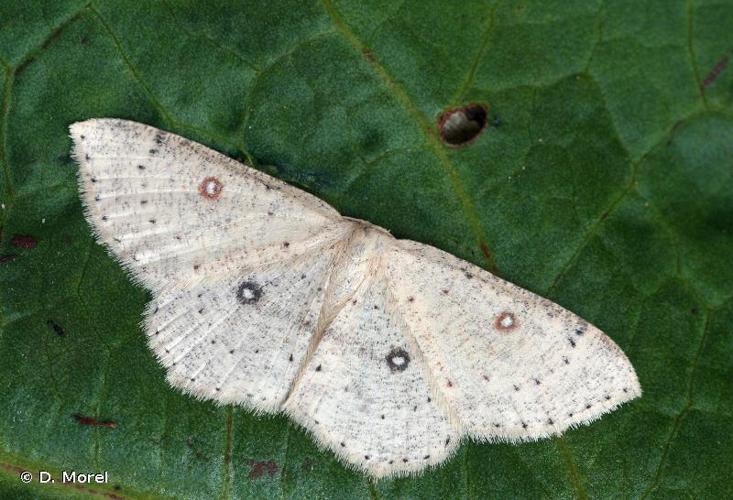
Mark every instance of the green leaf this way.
pixel 603 182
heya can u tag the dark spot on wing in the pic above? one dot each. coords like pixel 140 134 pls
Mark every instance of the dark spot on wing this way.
pixel 210 188
pixel 398 360
pixel 506 321
pixel 249 292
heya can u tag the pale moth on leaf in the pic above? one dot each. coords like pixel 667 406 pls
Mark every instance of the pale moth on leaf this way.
pixel 388 351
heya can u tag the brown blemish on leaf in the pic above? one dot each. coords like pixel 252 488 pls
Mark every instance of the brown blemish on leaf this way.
pixel 85 420
pixel 368 55
pixel 58 329
pixel 210 188
pixel 461 125
pixel 259 467
pixel 487 253
pixel 715 72
pixel 23 241
pixel 506 322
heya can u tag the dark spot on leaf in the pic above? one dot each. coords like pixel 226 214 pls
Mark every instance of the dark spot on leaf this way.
pixel 550 421
pixel 382 416
pixel 566 360
pixel 290 358
pixel 152 221
pixel 141 167
pixel 449 384
pixel 446 291
pixel 580 330
pixel 462 125
pixel 260 467
pixel 398 359
pixel 713 73
pixel 366 457
pixel 429 399
pixel 368 54
pixel 153 151
pixel 524 425
pixel 318 368
pixel 516 387
pixel 85 420
pixel 286 244
pixel 608 398
pixel 588 406
pixel 486 251
pixel 196 267
pixel 23 241
pixel 536 381
pixel 404 460
pixel 249 292
pixel 468 275
pixel 447 440
pixel 497 425
pixel 410 299
pixel 343 445
pixel 58 330
pixel 231 351
pixel 426 457
pixel 572 342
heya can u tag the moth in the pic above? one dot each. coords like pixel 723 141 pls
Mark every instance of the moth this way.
pixel 387 351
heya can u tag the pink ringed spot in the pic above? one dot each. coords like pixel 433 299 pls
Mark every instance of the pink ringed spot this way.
pixel 210 188
pixel 506 322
